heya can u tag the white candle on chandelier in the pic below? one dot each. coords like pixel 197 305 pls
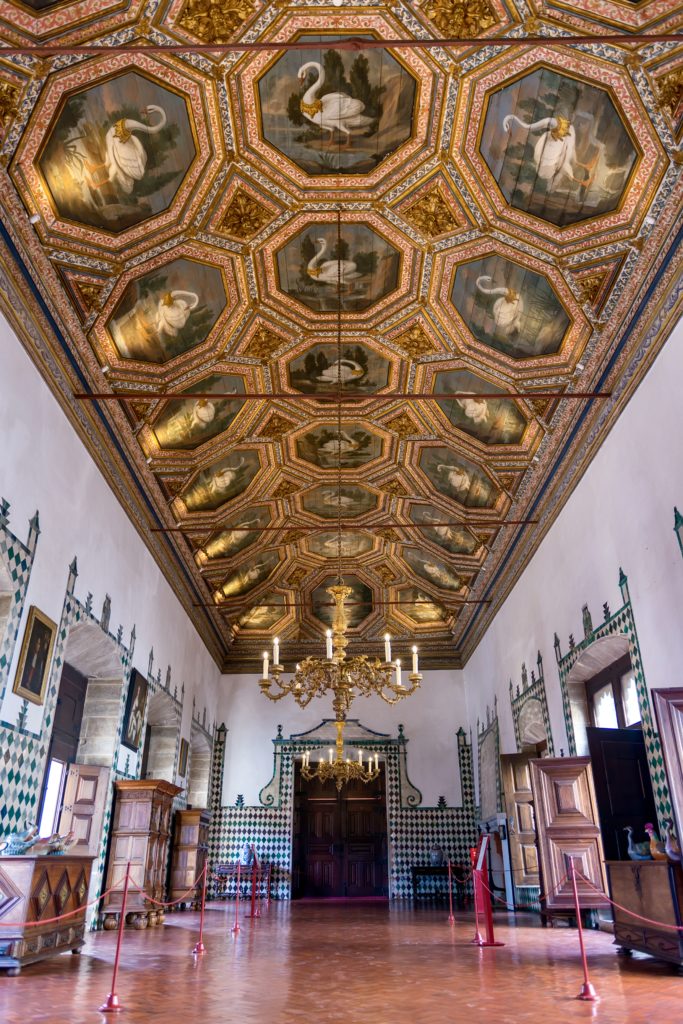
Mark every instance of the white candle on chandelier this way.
pixel 360 757
pixel 376 762
pixel 329 644
pixel 276 650
pixel 398 671
pixel 414 660
pixel 330 752
pixel 387 647
pixel 265 664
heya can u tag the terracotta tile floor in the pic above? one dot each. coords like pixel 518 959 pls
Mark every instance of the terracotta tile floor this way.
pixel 344 964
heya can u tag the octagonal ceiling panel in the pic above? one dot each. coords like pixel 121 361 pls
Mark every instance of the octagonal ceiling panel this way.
pixel 455 539
pixel 354 544
pixel 189 422
pixel 432 569
pixel 556 153
pixel 420 608
pixel 238 533
pixel 327 447
pixel 251 573
pixel 65 19
pixel 125 148
pixel 262 618
pixel 493 421
pixel 317 369
pixel 457 478
pixel 354 499
pixel 220 481
pixel 325 115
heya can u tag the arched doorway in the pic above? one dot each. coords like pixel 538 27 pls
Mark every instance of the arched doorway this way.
pixel 162 732
pixel 199 769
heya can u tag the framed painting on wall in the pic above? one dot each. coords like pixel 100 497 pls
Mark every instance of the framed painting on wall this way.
pixel 182 758
pixel 30 681
pixel 134 715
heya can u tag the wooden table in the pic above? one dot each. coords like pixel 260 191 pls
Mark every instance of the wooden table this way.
pixel 460 877
pixel 37 889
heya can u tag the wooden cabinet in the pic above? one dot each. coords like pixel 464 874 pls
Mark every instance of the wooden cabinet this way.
pixel 190 848
pixel 140 835
pixel 568 831
pixel 652 889
pixel 37 889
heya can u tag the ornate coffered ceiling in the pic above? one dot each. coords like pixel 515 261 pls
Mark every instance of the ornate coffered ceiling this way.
pixel 508 226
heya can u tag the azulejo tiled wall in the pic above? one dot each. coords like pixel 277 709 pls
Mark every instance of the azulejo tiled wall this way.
pixel 412 829
pixel 621 622
pixel 17 561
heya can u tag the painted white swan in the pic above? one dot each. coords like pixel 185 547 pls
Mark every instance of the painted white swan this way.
pixel 458 479
pixel 555 151
pixel 508 309
pixel 229 539
pixel 343 369
pixel 330 499
pixel 342 444
pixel 442 576
pixel 173 311
pixel 332 272
pixel 476 409
pixel 126 157
pixel 333 111
pixel 224 478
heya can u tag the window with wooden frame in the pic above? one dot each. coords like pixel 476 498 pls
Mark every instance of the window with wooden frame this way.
pixel 613 697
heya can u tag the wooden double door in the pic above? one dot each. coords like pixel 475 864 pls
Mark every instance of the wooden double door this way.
pixel 340 839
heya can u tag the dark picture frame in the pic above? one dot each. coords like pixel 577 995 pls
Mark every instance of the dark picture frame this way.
pixel 35 657
pixel 182 758
pixel 134 715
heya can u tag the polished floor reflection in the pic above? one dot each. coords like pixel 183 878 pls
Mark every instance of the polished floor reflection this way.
pixel 344 964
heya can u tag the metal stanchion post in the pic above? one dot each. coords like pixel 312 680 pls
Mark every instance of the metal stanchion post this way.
pixel 113 1004
pixel 200 947
pixel 587 991
pixel 451 919
pixel 270 866
pixel 236 927
pixel 255 912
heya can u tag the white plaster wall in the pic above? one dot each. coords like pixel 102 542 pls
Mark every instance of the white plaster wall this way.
pixel 44 466
pixel 620 515
pixel 431 717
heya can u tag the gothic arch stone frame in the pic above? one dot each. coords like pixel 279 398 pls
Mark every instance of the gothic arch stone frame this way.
pixel 412 829
pixel 621 623
pixel 17 562
pixel 531 694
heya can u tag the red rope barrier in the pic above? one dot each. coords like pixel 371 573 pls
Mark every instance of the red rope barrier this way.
pixel 631 913
pixel 163 903
pixel 515 906
pixel 112 1003
pixel 236 926
pixel 62 917
pixel 587 991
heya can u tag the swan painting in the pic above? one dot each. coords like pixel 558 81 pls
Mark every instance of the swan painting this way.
pixel 335 111
pixel 221 481
pixel 457 478
pixel 342 369
pixel 334 272
pixel 557 147
pixel 250 574
pixel 508 307
pixel 355 500
pixel 173 311
pixel 118 152
pixel 126 157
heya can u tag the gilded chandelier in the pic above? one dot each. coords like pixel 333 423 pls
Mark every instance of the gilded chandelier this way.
pixel 341 769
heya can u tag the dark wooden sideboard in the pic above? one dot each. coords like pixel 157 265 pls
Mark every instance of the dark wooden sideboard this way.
pixel 190 848
pixel 651 889
pixel 38 889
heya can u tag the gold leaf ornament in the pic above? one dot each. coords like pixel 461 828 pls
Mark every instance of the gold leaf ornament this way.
pixel 431 215
pixel 215 21
pixel 463 18
pixel 244 216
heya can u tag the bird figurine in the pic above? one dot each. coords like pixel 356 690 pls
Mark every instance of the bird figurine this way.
pixel 19 842
pixel 61 844
pixel 672 846
pixel 657 848
pixel 637 851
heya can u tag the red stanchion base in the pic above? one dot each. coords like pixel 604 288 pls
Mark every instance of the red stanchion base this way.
pixel 112 1005
pixel 451 919
pixel 235 928
pixel 588 993
pixel 198 949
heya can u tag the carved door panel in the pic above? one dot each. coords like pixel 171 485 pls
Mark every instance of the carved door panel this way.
pixel 85 798
pixel 323 855
pixel 567 826
pixel 669 711
pixel 519 804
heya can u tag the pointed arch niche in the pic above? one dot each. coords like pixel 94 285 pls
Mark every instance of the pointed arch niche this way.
pixel 615 636
pixel 530 715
